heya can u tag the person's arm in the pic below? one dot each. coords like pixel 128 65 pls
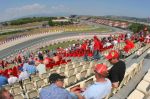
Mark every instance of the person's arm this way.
pixel 115 84
pixel 79 96
pixel 77 92
pixel 115 79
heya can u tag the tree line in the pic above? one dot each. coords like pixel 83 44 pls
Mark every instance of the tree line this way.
pixel 30 20
pixel 136 27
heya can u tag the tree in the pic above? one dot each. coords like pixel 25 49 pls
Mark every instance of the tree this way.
pixel 135 27
pixel 50 23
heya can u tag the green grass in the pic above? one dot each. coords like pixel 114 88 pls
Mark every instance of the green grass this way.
pixel 99 29
pixel 63 45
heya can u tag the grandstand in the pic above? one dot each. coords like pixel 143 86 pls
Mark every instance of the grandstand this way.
pixel 70 51
pixel 80 72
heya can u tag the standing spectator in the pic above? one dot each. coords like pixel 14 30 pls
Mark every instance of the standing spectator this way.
pixel 40 55
pixel 3 64
pixel 12 79
pixel 84 47
pixel 97 47
pixel 3 80
pixel 116 73
pixel 56 90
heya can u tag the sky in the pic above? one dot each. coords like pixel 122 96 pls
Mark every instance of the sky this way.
pixel 11 9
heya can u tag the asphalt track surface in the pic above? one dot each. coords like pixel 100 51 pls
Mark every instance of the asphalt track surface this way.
pixel 13 49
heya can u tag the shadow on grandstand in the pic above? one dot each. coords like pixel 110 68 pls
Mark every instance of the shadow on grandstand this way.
pixel 135 57
pixel 147 56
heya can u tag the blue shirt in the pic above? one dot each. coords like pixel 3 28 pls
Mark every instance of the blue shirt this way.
pixel 31 69
pixel 54 92
pixel 25 66
pixel 3 81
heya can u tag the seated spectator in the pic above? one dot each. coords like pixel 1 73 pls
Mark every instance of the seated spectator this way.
pixel 117 72
pixel 31 69
pixel 107 44
pixel 41 68
pixel 115 42
pixel 3 80
pixel 56 58
pixel 56 90
pixel 23 75
pixel 25 65
pixel 102 87
pixel 5 94
pixel 12 79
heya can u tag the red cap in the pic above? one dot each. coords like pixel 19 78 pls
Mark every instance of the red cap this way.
pixel 101 68
pixel 112 54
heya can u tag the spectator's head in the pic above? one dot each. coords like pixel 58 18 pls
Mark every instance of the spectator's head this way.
pixel 100 71
pixel 5 94
pixel 46 61
pixel 57 79
pixel 25 61
pixel 54 54
pixel 31 63
pixel 113 57
pixel 19 71
pixel 10 72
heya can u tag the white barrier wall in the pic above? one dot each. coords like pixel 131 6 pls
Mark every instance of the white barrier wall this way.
pixel 23 39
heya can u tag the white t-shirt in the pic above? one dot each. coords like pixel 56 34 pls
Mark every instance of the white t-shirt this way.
pixel 107 44
pixel 115 42
pixel 23 75
pixel 98 90
pixel 41 68
pixel 12 80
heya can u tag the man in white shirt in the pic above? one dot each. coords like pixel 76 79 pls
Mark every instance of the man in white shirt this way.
pixel 101 88
pixel 12 79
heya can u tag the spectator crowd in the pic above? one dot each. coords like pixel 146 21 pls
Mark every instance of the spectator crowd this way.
pixel 29 63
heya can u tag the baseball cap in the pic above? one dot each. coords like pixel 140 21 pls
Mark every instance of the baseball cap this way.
pixel 54 77
pixel 112 54
pixel 101 69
